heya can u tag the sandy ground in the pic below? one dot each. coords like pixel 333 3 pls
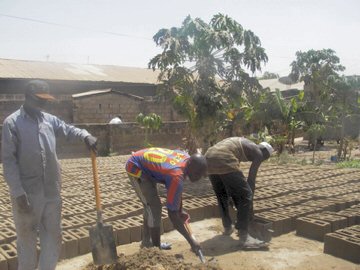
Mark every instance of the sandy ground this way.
pixel 285 252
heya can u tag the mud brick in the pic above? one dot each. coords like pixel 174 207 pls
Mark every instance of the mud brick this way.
pixel 70 244
pixel 213 208
pixel 122 232
pixel 8 235
pixel 280 223
pixel 66 212
pixel 195 211
pixel 66 224
pixel 81 220
pixel 7 223
pixel 312 228
pixel 85 207
pixel 337 222
pixel 135 228
pixel 351 216
pixel 355 228
pixel 342 246
pixel 348 233
pixel 2 239
pixel 10 254
pixel 3 262
pixel 340 204
pixel 208 211
pixel 83 239
pixel 166 222
pixel 324 205
pixel 109 215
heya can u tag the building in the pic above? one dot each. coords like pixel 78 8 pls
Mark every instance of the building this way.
pixel 100 106
pixel 94 93
pixel 68 79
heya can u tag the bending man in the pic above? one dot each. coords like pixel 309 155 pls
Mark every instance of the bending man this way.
pixel 148 167
pixel 227 179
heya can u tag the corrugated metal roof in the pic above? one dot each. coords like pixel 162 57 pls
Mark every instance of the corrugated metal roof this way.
pixel 104 91
pixel 21 69
pixel 92 92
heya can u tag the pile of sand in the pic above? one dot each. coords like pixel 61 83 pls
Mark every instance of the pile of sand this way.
pixel 153 259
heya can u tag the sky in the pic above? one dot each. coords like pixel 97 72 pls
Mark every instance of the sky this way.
pixel 119 32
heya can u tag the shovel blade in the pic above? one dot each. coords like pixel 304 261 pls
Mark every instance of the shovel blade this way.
pixel 103 246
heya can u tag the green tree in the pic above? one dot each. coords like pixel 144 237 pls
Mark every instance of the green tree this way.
pixel 344 105
pixel 151 122
pixel 314 67
pixel 202 65
pixel 314 132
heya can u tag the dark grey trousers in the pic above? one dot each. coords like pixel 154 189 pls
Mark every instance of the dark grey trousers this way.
pixel 233 185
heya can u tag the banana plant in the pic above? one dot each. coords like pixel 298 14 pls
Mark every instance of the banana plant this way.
pixel 150 122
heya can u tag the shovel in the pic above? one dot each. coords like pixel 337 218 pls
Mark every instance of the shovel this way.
pixel 199 253
pixel 102 241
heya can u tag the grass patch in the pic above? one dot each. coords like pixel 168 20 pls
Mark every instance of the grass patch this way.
pixel 349 164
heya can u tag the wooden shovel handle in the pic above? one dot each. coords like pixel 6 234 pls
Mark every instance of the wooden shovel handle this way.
pixel 188 229
pixel 96 180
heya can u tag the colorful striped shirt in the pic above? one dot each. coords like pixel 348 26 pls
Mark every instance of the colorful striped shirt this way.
pixel 163 166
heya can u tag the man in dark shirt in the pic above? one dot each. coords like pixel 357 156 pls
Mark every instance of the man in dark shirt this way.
pixel 223 160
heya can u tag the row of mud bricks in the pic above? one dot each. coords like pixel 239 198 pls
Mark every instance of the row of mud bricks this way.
pixel 283 196
pixel 127 228
pixel 340 231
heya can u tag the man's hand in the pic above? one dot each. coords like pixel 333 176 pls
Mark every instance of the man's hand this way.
pixel 91 143
pixel 23 204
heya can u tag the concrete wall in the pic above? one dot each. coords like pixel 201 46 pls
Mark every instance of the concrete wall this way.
pixel 86 110
pixel 62 108
pixel 101 108
pixel 122 139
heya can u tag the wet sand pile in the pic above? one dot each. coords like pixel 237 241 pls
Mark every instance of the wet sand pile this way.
pixel 153 259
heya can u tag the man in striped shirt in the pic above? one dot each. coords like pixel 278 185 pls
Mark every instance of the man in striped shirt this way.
pixel 148 167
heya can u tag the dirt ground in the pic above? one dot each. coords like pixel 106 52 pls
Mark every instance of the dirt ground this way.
pixel 285 252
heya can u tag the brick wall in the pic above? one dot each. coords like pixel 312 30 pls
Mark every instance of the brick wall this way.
pixel 102 108
pixel 9 103
pixel 122 139
pixel 95 108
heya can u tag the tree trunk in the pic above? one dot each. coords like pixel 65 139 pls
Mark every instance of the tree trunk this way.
pixel 342 132
pixel 315 144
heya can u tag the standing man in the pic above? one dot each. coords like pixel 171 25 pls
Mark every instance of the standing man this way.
pixel 148 167
pixel 32 172
pixel 227 179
